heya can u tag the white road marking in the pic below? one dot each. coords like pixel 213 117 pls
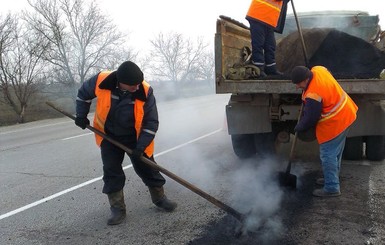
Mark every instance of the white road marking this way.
pixel 48 198
pixel 31 128
pixel 188 142
pixel 77 136
pixel 3 216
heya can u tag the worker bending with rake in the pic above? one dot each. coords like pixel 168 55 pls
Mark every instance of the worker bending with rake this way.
pixel 126 111
pixel 329 109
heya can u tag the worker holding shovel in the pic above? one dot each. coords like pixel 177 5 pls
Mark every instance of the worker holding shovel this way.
pixel 126 111
pixel 329 109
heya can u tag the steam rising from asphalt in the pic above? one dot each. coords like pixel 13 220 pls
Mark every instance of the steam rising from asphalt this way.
pixel 251 187
pixel 256 194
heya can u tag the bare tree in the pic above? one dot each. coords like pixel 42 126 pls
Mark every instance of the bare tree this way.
pixel 175 57
pixel 7 25
pixel 81 38
pixel 116 56
pixel 21 68
pixel 206 68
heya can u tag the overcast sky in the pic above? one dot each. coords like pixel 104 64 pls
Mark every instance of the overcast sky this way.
pixel 145 18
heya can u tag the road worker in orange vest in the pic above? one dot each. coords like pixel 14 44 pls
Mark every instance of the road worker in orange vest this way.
pixel 329 109
pixel 125 111
pixel 265 17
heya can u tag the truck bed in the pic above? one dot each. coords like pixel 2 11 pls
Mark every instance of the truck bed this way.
pixel 351 86
pixel 230 39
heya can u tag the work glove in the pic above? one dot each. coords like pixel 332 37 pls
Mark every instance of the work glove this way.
pixel 307 135
pixel 82 122
pixel 136 154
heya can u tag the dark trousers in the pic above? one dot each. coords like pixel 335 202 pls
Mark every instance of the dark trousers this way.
pixel 113 174
pixel 262 43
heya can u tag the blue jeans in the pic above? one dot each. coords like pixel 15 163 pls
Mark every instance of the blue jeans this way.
pixel 331 155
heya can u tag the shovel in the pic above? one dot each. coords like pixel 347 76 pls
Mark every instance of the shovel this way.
pixel 240 217
pixel 286 178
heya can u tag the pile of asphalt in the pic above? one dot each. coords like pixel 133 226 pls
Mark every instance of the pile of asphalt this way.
pixel 346 56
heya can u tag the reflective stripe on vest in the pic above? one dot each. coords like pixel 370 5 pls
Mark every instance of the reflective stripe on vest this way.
pixel 335 109
pixel 103 106
pixel 338 109
pixel 267 11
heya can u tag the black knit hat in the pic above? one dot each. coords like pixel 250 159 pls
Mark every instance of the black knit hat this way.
pixel 299 74
pixel 129 73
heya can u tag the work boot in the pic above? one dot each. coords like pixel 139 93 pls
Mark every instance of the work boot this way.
pixel 320 181
pixel 272 70
pixel 118 208
pixel 261 68
pixel 160 200
pixel 322 193
pixel 262 73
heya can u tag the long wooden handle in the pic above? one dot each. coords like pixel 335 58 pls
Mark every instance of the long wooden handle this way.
pixel 288 168
pixel 300 35
pixel 155 166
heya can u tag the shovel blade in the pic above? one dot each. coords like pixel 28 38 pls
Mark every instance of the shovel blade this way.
pixel 287 180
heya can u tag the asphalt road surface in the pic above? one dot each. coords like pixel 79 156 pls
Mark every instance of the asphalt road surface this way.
pixel 50 178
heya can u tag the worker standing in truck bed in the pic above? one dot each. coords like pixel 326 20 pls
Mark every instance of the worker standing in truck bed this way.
pixel 265 17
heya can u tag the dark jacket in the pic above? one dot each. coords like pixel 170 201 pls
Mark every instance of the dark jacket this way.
pixel 121 120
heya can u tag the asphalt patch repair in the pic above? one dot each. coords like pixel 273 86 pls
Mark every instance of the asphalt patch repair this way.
pixel 346 56
pixel 224 231
pixel 307 219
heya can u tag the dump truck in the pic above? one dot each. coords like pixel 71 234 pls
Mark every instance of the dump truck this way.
pixel 262 113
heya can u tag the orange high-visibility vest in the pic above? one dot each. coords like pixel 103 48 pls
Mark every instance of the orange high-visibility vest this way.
pixel 338 110
pixel 267 11
pixel 103 106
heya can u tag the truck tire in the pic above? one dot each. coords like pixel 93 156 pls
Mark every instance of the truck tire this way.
pixel 375 148
pixel 265 144
pixel 353 149
pixel 243 145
